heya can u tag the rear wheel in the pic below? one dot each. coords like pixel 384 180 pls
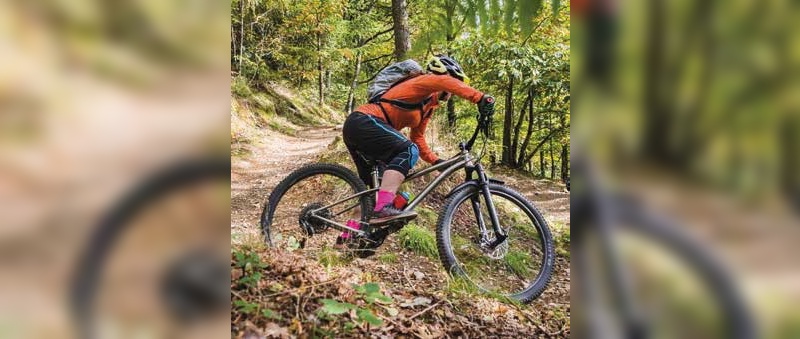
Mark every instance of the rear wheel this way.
pixel 158 263
pixel 288 221
pixel 520 267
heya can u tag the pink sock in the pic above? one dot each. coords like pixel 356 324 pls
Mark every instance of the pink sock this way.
pixel 384 198
pixel 351 223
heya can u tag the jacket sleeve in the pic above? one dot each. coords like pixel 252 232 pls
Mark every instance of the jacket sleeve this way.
pixel 418 138
pixel 435 83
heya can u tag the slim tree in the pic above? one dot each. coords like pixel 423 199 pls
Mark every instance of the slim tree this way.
pixel 402 43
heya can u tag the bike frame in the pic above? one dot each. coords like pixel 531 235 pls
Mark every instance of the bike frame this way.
pixel 464 160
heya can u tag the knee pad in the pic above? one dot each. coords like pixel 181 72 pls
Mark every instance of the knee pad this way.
pixel 414 155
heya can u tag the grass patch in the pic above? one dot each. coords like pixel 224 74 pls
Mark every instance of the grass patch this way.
pixel 460 287
pixel 519 262
pixel 329 257
pixel 419 240
pixel 426 216
pixel 387 258
pixel 562 240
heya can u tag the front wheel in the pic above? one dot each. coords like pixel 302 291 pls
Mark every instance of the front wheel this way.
pixel 520 267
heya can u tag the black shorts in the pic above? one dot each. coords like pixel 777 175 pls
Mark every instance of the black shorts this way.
pixel 370 137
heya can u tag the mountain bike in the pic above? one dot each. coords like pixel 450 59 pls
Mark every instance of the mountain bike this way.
pixel 486 232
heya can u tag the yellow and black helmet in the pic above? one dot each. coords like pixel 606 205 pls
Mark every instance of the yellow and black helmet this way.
pixel 443 64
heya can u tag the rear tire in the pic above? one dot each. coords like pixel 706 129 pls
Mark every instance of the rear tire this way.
pixel 338 171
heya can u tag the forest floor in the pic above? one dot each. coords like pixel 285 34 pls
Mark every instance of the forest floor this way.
pixel 279 294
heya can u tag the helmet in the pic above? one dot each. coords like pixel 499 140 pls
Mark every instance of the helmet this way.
pixel 443 64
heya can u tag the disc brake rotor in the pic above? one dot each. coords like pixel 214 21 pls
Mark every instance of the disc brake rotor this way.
pixel 499 252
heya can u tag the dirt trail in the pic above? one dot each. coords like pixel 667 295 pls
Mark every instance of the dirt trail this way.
pixel 254 175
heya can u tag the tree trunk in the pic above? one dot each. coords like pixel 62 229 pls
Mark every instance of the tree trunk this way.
pixel 241 34
pixel 351 95
pixel 790 166
pixel 401 40
pixel 541 143
pixel 507 121
pixel 541 164
pixel 564 162
pixel 550 146
pixel 515 141
pixel 552 161
pixel 564 149
pixel 321 70
pixel 451 104
pixel 657 124
pixel 524 147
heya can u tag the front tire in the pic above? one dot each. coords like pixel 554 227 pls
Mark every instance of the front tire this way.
pixel 528 248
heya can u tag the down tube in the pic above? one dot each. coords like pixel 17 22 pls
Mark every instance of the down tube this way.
pixel 444 175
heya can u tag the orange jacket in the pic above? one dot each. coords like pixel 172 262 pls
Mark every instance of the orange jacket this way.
pixel 415 90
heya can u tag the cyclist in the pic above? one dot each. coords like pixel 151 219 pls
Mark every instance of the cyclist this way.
pixel 371 131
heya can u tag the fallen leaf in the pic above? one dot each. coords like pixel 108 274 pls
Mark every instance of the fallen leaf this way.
pixel 418 301
pixel 419 275
pixel 274 330
pixel 391 311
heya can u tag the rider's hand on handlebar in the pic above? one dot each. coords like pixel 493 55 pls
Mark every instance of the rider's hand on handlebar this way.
pixel 486 107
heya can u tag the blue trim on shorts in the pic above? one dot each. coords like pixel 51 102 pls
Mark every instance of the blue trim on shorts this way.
pixel 386 129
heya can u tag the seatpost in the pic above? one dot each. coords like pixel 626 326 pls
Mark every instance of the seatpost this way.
pixel 375 177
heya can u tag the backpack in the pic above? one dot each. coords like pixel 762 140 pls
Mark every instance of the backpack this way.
pixel 392 76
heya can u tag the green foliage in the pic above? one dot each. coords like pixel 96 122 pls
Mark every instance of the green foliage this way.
pixel 315 46
pixel 251 266
pixel 270 314
pixel 246 307
pixel 371 295
pixel 331 306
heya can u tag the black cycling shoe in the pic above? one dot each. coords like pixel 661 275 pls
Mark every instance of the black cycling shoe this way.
pixel 390 214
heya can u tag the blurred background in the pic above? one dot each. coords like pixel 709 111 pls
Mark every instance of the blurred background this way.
pixel 691 107
pixel 95 97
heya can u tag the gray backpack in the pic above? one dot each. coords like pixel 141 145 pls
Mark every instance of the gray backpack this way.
pixel 392 76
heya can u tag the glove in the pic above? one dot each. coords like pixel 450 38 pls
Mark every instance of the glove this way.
pixel 486 106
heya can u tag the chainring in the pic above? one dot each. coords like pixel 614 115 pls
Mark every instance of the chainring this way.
pixel 365 246
pixel 314 225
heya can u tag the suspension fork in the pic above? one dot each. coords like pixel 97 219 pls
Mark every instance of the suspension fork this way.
pixel 483 186
pixel 476 207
